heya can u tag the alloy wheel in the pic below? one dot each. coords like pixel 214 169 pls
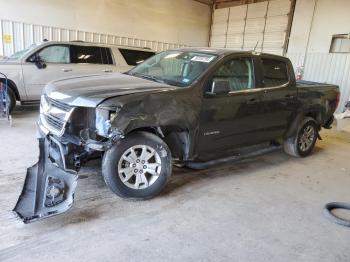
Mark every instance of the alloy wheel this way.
pixel 139 167
pixel 307 138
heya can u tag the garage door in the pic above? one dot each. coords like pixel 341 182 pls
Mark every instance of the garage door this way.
pixel 243 27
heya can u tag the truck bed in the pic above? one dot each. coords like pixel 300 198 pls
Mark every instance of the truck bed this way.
pixel 322 97
pixel 304 83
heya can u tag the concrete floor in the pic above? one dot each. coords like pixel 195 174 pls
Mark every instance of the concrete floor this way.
pixel 265 209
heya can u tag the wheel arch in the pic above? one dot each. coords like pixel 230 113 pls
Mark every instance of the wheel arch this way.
pixel 317 115
pixel 177 138
pixel 314 113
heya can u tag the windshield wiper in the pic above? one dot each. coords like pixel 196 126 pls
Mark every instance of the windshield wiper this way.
pixel 149 77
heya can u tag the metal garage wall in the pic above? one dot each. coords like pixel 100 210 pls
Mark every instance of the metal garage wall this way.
pixel 326 68
pixel 243 27
pixel 16 36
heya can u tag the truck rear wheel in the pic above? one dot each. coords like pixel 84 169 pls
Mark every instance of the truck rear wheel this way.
pixel 138 166
pixel 302 144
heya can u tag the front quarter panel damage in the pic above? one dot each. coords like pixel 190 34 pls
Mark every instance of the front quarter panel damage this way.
pixel 47 191
pixel 159 109
pixel 171 111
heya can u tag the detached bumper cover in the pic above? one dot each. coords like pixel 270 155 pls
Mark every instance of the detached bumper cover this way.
pixel 47 191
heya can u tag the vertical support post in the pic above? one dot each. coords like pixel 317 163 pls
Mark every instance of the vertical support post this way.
pixel 227 24
pixel 309 35
pixel 289 26
pixel 212 8
pixel 245 24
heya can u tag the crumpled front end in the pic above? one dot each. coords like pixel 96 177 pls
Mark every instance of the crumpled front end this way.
pixel 68 137
pixel 48 189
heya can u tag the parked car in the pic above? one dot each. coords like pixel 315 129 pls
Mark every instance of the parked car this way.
pixel 31 69
pixel 194 107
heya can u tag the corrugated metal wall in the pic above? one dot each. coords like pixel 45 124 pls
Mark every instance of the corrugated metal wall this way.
pixel 326 68
pixel 243 27
pixel 16 36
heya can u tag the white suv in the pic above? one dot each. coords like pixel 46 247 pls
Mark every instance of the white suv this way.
pixel 29 70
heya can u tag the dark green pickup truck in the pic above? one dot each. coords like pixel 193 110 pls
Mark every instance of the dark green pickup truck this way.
pixel 193 107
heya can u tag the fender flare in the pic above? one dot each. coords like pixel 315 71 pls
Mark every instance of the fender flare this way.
pixel 293 127
pixel 177 138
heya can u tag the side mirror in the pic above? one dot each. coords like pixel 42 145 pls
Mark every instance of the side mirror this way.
pixel 219 87
pixel 40 64
pixel 36 59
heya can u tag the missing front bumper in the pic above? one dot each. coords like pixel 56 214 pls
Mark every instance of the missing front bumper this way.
pixel 48 190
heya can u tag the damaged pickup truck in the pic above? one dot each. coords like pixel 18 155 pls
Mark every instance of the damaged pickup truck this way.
pixel 188 106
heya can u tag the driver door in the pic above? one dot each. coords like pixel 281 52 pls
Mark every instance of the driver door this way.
pixel 57 61
pixel 230 119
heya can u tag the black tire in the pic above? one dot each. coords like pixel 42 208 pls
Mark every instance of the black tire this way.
pixel 291 145
pixel 11 99
pixel 110 165
pixel 327 211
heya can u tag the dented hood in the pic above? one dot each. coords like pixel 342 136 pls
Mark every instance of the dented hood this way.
pixel 91 90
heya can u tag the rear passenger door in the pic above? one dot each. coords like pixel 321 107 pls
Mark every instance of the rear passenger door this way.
pixel 91 60
pixel 279 99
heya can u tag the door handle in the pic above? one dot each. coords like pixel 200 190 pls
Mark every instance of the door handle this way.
pixel 107 70
pixel 289 96
pixel 252 101
pixel 66 70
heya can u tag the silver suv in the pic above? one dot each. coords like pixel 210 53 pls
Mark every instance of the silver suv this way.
pixel 29 70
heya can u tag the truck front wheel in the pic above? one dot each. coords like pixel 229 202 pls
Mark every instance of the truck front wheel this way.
pixel 10 99
pixel 303 142
pixel 138 166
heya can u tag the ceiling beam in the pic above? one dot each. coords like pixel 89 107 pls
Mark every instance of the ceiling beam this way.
pixel 230 3
pixel 206 2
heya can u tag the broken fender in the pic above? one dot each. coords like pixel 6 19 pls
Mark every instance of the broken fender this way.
pixel 47 191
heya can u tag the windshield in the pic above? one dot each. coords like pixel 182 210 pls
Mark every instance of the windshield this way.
pixel 179 68
pixel 20 54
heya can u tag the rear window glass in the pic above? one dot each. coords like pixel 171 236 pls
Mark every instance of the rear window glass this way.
pixel 275 73
pixel 86 54
pixel 135 57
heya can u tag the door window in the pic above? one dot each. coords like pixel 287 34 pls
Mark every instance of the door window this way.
pixel 87 54
pixel 55 54
pixel 135 57
pixel 238 73
pixel 275 73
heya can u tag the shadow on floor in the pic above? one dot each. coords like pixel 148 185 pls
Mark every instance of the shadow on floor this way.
pixel 185 176
pixel 22 112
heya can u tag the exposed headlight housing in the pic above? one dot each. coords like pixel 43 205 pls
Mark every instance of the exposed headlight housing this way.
pixel 104 117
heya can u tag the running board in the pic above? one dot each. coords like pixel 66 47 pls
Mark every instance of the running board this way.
pixel 30 102
pixel 237 157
